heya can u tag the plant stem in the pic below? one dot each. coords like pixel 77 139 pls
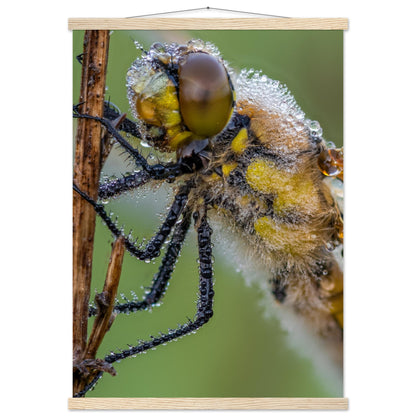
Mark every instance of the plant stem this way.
pixel 87 165
pixel 106 299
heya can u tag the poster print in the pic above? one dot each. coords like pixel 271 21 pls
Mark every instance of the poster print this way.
pixel 264 185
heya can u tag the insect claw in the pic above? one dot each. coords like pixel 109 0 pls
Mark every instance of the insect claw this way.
pixel 75 108
pixel 80 57
pixel 117 121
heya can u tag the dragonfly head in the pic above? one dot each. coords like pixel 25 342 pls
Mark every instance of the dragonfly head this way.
pixel 180 94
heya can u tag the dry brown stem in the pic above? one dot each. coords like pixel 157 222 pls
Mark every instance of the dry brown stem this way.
pixel 87 367
pixel 87 165
pixel 106 299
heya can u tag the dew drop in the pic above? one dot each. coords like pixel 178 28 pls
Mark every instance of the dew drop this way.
pixel 145 144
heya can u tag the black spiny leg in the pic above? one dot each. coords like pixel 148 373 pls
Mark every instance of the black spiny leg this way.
pixel 153 247
pixel 156 172
pixel 126 183
pixel 162 278
pixel 204 308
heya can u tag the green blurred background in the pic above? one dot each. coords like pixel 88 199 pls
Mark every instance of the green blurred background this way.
pixel 240 352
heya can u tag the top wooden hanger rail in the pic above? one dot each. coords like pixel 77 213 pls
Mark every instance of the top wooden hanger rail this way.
pixel 247 23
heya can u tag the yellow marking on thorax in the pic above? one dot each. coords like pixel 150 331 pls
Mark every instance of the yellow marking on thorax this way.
pixel 240 141
pixel 292 190
pixel 214 176
pixel 296 241
pixel 227 168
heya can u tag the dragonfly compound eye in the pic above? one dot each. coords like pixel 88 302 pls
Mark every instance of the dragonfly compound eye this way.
pixel 205 94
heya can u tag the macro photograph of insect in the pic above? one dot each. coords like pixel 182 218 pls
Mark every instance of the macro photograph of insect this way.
pixel 214 215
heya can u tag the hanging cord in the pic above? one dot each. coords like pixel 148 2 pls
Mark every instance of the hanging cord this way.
pixel 208 9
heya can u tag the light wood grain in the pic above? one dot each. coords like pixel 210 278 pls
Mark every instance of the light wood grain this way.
pixel 218 403
pixel 208 23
